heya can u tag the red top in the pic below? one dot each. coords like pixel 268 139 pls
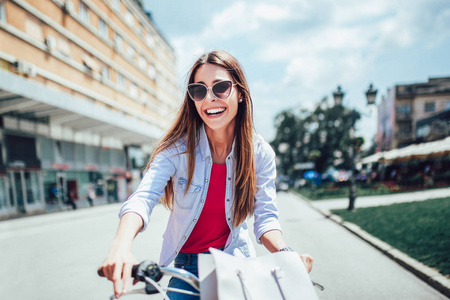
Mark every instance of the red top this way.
pixel 211 229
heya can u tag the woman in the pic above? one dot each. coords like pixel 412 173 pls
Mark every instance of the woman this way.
pixel 212 171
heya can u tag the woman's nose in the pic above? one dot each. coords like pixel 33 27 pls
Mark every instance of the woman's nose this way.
pixel 210 95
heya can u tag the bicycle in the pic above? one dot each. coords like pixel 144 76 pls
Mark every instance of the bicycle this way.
pixel 151 273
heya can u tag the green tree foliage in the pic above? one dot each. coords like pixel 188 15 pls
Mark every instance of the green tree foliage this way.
pixel 140 3
pixel 322 136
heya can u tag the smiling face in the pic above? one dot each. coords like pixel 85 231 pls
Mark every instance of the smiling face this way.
pixel 216 114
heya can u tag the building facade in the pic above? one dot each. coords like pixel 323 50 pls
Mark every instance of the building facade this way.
pixel 86 89
pixel 406 113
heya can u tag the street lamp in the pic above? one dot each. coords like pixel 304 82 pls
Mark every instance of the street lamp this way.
pixel 371 94
pixel 338 96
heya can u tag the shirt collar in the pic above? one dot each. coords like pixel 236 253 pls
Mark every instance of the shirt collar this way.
pixel 205 151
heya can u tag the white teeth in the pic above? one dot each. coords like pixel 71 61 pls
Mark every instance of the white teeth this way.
pixel 214 110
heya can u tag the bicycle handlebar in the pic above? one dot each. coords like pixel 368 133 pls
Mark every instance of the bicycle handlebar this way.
pixel 151 270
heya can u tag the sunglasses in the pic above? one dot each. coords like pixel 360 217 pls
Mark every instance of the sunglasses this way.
pixel 221 90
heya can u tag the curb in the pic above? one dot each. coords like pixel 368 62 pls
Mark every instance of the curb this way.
pixel 427 274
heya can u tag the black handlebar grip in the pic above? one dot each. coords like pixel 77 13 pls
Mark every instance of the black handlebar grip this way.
pixel 139 271
pixel 102 274
pixel 149 269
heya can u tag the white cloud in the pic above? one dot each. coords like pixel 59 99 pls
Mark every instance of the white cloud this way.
pixel 319 44
pixel 237 19
pixel 271 12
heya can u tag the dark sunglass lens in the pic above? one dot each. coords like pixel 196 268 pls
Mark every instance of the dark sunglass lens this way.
pixel 222 89
pixel 197 92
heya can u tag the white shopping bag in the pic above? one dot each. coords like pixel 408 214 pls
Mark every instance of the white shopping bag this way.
pixel 280 275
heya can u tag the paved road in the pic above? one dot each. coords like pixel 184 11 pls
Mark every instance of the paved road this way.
pixel 55 256
pixel 348 267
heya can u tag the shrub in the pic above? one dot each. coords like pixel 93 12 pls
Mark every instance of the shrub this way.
pixel 415 180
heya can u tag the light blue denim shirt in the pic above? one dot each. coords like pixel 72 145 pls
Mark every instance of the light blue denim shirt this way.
pixel 187 208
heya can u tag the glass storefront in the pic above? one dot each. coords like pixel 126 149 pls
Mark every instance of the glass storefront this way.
pixel 25 189
pixel 19 195
pixel 32 187
pixel 50 187
pixel 3 192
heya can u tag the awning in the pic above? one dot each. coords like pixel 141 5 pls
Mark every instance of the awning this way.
pixel 416 150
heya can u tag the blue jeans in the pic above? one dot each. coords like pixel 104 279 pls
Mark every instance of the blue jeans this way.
pixel 188 262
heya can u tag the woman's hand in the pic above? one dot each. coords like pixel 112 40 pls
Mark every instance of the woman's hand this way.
pixel 119 261
pixel 308 261
pixel 117 267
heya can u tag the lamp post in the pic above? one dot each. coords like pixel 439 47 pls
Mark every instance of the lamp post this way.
pixel 338 96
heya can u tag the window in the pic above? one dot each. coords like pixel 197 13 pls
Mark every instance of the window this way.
pixel 142 62
pixel 150 40
pixel 129 18
pixel 429 106
pixel 131 52
pixel 404 109
pixel 404 129
pixel 140 30
pixel 120 81
pixel 118 43
pixel 115 4
pixel 90 64
pixel 2 12
pixel 83 11
pixel 152 72
pixel 133 90
pixel 145 98
pixel 105 74
pixel 34 28
pixel 63 46
pixel 103 29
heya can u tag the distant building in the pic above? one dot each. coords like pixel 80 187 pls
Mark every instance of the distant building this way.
pixel 86 89
pixel 413 113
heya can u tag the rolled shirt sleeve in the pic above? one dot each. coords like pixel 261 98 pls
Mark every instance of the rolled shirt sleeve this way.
pixel 151 187
pixel 266 212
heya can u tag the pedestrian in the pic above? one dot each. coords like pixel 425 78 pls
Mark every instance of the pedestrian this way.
pixel 92 195
pixel 53 194
pixel 212 171
pixel 71 200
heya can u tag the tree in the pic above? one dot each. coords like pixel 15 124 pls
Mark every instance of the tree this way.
pixel 139 3
pixel 323 136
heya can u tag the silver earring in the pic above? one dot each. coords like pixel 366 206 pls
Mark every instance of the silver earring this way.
pixel 240 100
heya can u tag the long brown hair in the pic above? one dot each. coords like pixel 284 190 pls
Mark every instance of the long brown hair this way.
pixel 187 127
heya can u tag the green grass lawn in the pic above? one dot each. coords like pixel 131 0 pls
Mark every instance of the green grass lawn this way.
pixel 329 191
pixel 333 191
pixel 419 229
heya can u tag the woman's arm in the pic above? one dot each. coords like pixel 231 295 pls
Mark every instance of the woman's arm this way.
pixel 120 259
pixel 273 240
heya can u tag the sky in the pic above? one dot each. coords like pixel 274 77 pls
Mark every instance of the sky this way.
pixel 296 52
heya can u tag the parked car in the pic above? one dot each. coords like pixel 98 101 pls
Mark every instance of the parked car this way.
pixel 282 186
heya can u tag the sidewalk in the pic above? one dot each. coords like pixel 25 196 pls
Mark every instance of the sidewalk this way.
pixel 367 201
pixel 55 208
pixel 427 274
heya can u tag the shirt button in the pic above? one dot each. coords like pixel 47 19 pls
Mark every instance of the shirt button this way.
pixel 229 178
pixel 229 219
pixel 175 252
pixel 206 180
pixel 228 200
pixel 184 237
pixel 202 201
pixel 194 220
